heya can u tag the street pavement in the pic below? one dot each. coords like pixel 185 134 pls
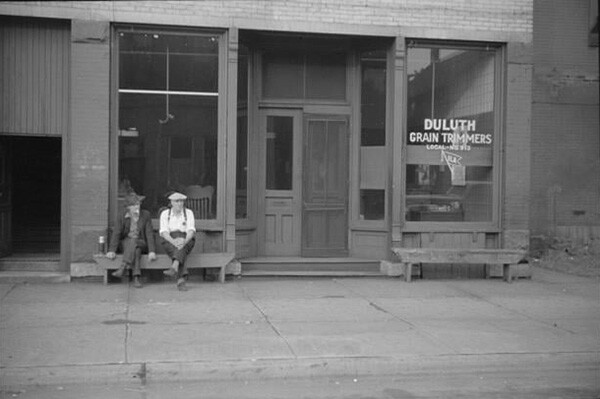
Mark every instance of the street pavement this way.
pixel 251 329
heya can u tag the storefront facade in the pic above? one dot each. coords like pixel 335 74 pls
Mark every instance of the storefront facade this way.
pixel 337 131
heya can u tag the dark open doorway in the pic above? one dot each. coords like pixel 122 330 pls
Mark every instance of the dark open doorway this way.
pixel 36 194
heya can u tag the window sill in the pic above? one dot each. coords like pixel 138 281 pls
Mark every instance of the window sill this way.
pixel 450 227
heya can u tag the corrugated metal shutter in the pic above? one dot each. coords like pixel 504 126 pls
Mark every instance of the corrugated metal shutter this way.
pixel 35 69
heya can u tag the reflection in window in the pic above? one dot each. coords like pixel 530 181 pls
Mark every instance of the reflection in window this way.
pixel 450 135
pixel 373 167
pixel 168 97
pixel 279 152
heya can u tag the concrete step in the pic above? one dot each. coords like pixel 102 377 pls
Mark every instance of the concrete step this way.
pixel 312 273
pixel 307 267
pixel 19 277
pixel 31 263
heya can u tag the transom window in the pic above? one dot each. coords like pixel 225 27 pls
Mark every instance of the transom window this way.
pixel 303 74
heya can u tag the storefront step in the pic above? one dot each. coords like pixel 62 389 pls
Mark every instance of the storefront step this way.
pixel 31 263
pixel 313 273
pixel 293 266
pixel 32 277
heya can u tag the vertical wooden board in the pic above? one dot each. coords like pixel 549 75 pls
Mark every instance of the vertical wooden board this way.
pixel 369 245
pixel 270 229
pixel 35 76
pixel 287 229
pixel 453 240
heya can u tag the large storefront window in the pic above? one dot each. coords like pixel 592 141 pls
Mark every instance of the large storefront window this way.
pixel 168 96
pixel 450 134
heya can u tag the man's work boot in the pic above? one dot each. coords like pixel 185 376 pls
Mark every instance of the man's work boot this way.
pixel 136 282
pixel 119 272
pixel 170 272
pixel 181 285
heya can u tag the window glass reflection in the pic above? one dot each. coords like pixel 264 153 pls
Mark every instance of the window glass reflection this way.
pixel 450 135
pixel 168 117
pixel 279 152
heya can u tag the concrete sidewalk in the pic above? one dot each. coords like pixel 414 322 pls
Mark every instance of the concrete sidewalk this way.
pixel 297 327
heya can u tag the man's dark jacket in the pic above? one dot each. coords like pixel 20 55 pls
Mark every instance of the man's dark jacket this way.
pixel 144 226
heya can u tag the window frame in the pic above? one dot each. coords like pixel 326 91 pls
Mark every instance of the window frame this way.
pixel 217 223
pixel 490 226
pixel 358 222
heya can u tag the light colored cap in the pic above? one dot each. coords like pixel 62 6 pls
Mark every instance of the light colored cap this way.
pixel 176 196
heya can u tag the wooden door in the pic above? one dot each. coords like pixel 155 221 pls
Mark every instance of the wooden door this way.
pixel 325 190
pixel 280 133
pixel 5 199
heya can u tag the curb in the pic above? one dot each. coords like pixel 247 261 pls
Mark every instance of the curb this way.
pixel 282 368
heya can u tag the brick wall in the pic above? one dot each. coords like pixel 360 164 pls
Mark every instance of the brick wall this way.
pixel 486 20
pixel 89 139
pixel 507 20
pixel 565 172
pixel 517 146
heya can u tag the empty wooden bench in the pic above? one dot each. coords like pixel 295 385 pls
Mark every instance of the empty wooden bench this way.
pixel 162 262
pixel 508 258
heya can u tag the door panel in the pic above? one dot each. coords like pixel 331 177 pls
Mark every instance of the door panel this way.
pixel 281 177
pixel 325 201
pixel 5 199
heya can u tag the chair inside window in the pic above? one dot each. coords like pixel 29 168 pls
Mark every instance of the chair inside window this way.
pixel 199 200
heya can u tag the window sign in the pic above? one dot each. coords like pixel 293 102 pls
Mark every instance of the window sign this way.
pixel 450 134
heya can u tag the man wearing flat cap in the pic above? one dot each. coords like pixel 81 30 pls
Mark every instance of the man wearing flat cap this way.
pixel 134 232
pixel 177 230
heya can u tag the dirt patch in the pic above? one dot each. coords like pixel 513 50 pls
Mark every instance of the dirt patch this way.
pixel 568 257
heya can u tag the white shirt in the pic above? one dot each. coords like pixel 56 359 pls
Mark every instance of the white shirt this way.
pixel 176 222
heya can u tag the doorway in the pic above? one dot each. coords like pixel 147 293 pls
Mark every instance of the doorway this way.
pixel 325 188
pixel 304 175
pixel 31 194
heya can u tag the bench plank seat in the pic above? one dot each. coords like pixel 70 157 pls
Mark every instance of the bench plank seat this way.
pixel 194 261
pixel 505 257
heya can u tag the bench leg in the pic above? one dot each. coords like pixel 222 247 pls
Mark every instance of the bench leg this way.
pixel 507 273
pixel 222 274
pixel 408 272
pixel 105 277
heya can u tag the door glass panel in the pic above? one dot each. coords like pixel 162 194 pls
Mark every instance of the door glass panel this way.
pixel 316 167
pixel 280 150
pixel 336 162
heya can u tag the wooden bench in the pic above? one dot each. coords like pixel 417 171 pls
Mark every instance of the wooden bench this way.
pixel 162 262
pixel 505 257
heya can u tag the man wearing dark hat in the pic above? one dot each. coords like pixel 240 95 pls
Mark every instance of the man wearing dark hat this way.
pixel 177 230
pixel 134 231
